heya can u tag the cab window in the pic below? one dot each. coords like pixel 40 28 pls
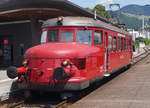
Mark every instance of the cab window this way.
pixel 84 36
pixel 67 36
pixel 53 36
pixel 43 37
pixel 98 37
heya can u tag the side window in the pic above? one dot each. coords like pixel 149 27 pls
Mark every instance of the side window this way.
pixel 124 44
pixel 129 44
pixel 118 44
pixel 98 38
pixel 110 43
pixel 84 36
pixel 114 44
pixel 121 44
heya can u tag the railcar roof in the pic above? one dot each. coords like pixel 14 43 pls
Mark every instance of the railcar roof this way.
pixel 84 21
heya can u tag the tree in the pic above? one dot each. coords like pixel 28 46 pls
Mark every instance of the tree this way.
pixel 100 10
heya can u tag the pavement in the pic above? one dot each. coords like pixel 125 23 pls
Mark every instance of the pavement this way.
pixel 6 85
pixel 130 89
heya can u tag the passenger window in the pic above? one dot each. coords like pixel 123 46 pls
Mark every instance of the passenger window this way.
pixel 98 38
pixel 121 44
pixel 129 44
pixel 84 36
pixel 114 44
pixel 110 43
pixel 118 44
pixel 124 44
pixel 67 36
pixel 53 36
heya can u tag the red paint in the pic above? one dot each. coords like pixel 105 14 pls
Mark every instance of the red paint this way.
pixel 47 57
pixel 21 70
pixel 5 42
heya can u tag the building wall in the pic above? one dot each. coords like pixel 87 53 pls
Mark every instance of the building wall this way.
pixel 17 35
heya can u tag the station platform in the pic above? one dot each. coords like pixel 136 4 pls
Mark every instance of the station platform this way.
pixel 131 89
pixel 6 85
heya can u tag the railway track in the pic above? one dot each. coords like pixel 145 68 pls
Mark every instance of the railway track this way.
pixel 21 103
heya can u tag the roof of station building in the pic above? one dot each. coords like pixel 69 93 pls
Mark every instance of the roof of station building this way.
pixel 14 10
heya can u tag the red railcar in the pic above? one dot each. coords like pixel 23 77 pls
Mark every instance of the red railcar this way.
pixel 74 52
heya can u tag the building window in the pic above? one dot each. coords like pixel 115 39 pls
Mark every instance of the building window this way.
pixel 118 44
pixel 114 44
pixel 110 43
pixel 98 37
pixel 84 36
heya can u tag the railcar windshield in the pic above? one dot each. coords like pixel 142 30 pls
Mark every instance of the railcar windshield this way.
pixel 67 35
pixel 43 37
pixel 53 36
pixel 84 36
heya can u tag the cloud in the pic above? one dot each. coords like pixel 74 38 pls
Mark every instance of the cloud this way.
pixel 106 1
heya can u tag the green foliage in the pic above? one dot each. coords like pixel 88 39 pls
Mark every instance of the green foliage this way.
pixel 145 40
pixel 100 10
pixel 131 22
pixel 137 9
pixel 137 41
pixel 131 15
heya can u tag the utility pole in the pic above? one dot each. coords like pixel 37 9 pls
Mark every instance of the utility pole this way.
pixel 143 25
pixel 115 4
pixel 118 5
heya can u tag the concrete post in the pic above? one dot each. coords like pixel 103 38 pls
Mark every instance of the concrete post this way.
pixel 36 31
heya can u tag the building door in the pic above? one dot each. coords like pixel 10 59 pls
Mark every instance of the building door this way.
pixel 6 52
pixel 1 52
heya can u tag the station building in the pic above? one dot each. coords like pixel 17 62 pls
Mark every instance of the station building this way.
pixel 20 24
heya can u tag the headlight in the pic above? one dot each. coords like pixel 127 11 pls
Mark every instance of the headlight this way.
pixel 25 62
pixel 65 62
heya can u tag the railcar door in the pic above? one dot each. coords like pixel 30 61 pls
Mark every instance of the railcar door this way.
pixel 106 53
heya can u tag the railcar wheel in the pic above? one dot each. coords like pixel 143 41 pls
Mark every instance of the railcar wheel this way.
pixel 66 95
pixel 27 94
pixel 12 72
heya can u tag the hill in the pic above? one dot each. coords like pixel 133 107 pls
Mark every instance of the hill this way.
pixel 137 9
pixel 132 15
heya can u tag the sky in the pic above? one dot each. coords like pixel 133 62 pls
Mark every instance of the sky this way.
pixel 92 3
